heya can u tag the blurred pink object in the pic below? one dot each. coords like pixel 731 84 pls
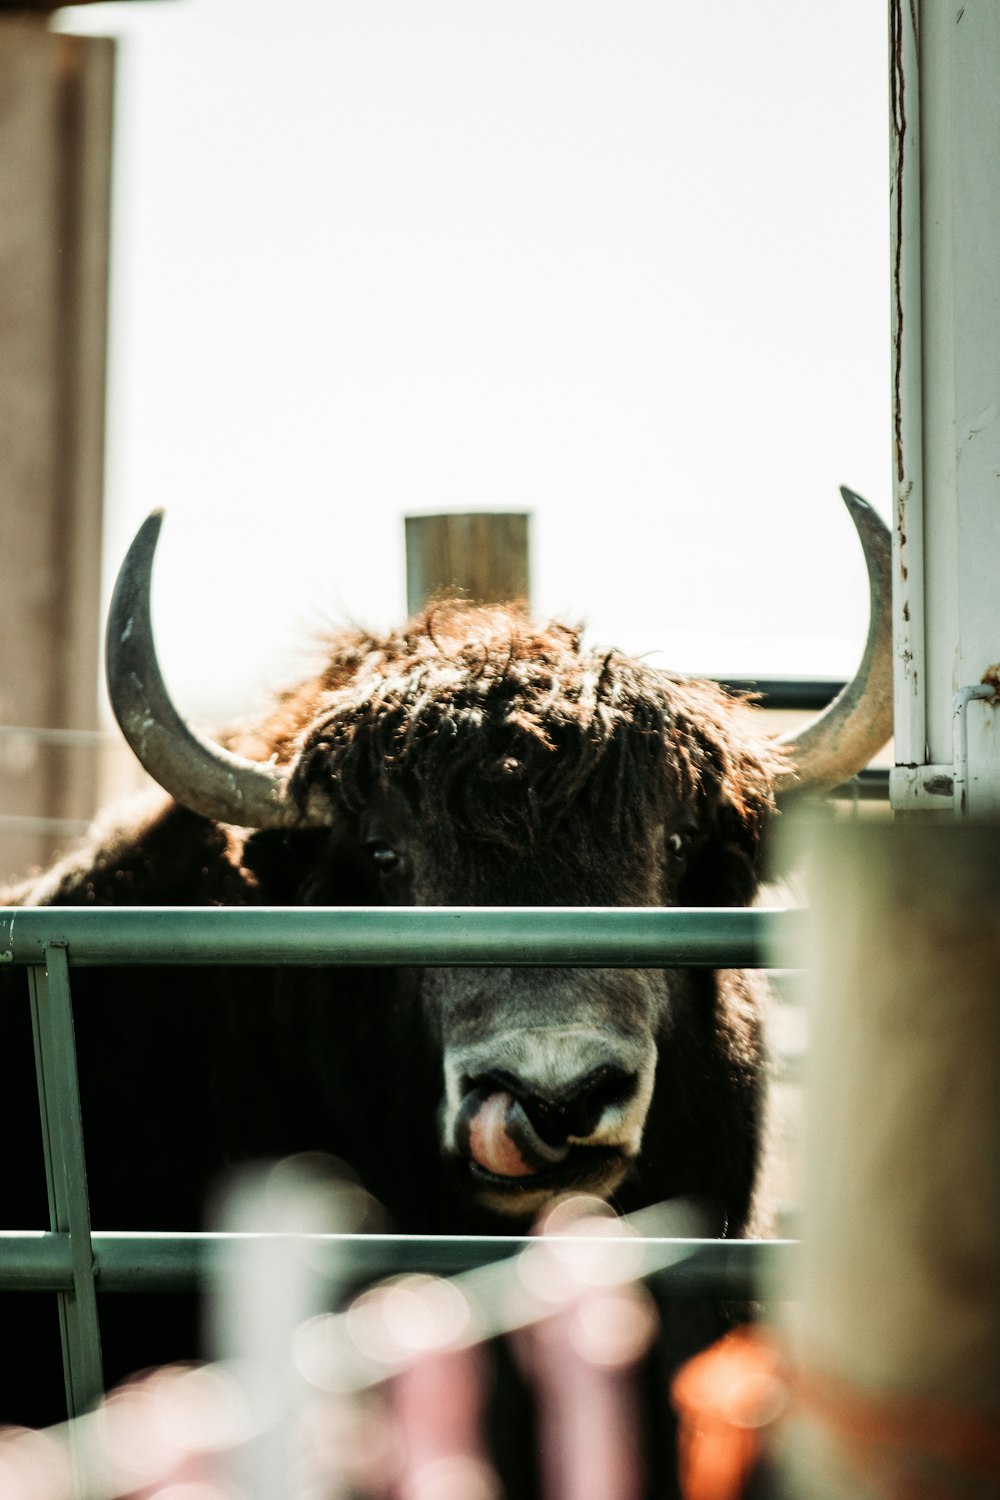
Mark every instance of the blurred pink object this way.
pixel 170 1430
pixel 438 1404
pixel 582 1364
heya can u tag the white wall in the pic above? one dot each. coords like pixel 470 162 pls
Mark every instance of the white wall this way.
pixel 621 263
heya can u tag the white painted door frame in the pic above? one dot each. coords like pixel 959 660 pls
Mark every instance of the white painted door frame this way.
pixel 945 202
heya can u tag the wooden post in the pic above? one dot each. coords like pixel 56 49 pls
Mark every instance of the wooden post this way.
pixel 55 154
pixel 482 557
pixel 895 1341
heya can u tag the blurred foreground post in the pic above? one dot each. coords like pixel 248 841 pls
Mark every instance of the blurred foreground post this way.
pixel 277 1278
pixel 482 557
pixel 895 1342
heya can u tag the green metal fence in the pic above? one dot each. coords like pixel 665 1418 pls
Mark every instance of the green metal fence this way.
pixel 73 1262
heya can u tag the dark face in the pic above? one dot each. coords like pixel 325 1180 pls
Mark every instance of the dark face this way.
pixel 547 1074
pixel 500 768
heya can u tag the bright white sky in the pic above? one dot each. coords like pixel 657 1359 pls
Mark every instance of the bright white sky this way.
pixel 620 263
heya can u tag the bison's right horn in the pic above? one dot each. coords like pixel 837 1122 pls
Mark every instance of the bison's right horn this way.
pixel 197 773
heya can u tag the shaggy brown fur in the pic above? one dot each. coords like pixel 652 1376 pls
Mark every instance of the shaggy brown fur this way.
pixel 504 724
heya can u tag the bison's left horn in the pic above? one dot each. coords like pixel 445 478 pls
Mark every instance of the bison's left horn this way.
pixel 199 774
pixel 844 737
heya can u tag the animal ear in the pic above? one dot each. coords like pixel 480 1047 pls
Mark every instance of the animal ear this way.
pixel 724 868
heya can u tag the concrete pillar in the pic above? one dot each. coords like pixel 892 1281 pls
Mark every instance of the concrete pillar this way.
pixel 55 154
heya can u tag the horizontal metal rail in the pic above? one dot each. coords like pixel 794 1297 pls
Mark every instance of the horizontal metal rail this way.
pixel 60 828
pixel 61 738
pixel 786 692
pixel 774 692
pixel 586 937
pixel 871 785
pixel 128 1262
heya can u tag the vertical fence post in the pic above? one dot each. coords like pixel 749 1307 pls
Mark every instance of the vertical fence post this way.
pixel 65 1172
pixel 482 556
pixel 896 1337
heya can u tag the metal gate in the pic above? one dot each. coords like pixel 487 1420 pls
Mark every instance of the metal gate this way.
pixel 73 1262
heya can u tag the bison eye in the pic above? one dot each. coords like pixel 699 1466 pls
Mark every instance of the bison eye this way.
pixel 678 845
pixel 383 857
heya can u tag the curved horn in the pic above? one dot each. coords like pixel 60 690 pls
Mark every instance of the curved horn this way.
pixel 844 737
pixel 197 773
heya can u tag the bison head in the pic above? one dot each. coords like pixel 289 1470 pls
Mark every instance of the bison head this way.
pixel 478 758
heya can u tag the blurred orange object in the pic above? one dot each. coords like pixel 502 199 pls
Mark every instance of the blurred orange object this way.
pixel 726 1399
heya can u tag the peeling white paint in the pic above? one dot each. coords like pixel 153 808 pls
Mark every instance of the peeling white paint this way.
pixel 985 419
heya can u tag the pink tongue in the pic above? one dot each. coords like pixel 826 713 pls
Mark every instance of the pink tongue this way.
pixel 489 1143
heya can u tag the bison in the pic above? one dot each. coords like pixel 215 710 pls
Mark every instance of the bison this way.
pixel 476 756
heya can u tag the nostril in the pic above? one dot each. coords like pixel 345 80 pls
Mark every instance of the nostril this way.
pixel 551 1122
pixel 580 1113
pixel 573 1110
pixel 607 1086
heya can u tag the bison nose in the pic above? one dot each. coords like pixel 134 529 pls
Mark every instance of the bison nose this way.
pixel 513 1130
pixel 577 1109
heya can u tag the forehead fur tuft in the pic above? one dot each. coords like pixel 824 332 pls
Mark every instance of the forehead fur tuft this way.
pixel 500 722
